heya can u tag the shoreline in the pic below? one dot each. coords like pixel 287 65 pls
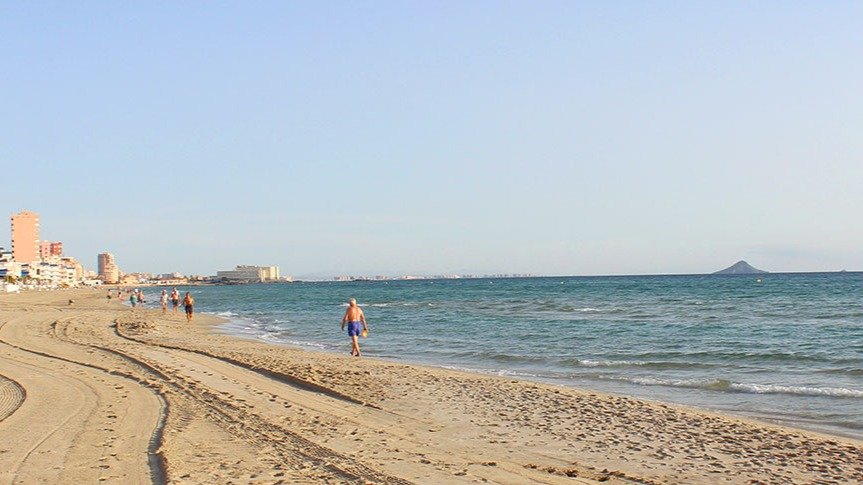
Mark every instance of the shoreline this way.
pixel 220 327
pixel 218 321
pixel 223 408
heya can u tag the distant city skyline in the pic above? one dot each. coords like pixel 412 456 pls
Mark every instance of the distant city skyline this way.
pixel 551 138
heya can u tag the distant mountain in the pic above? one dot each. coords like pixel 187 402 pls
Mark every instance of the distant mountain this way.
pixel 741 267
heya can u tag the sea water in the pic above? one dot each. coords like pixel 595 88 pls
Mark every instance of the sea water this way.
pixel 780 347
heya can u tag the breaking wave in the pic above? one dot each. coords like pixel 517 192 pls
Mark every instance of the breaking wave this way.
pixel 723 385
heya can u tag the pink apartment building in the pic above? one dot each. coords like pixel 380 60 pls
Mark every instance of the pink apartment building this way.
pixel 25 237
pixel 49 249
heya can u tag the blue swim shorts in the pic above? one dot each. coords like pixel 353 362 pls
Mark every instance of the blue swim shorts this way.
pixel 355 329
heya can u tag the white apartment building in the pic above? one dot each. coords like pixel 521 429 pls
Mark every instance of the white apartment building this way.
pixel 247 274
pixel 50 275
pixel 10 269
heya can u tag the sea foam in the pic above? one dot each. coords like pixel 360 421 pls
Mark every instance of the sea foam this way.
pixel 723 385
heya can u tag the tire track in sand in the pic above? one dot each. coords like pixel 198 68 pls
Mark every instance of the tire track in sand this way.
pixel 244 386
pixel 155 457
pixel 290 447
pixel 84 422
pixel 12 396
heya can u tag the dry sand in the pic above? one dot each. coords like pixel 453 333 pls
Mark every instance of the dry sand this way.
pixel 95 392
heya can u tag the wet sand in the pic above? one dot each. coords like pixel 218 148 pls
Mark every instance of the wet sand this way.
pixel 98 393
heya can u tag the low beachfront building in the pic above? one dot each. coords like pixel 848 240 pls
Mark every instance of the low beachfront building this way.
pixel 8 268
pixel 10 271
pixel 249 274
pixel 130 279
pixel 50 275
pixel 55 272
pixel 40 274
pixel 70 262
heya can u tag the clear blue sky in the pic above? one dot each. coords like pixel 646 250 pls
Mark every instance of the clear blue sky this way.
pixel 405 137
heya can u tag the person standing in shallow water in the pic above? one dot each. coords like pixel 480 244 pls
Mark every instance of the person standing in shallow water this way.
pixel 356 322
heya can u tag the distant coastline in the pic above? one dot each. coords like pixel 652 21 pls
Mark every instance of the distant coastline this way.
pixel 643 275
pixel 421 278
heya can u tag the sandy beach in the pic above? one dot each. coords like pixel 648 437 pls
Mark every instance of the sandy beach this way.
pixel 95 392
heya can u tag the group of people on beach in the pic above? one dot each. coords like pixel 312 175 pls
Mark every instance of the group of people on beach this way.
pixel 175 300
pixel 136 298
pixel 188 302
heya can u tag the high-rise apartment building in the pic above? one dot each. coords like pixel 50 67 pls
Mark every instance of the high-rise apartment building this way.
pixel 108 270
pixel 25 237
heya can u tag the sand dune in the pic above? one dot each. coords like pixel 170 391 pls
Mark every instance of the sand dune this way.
pixel 96 392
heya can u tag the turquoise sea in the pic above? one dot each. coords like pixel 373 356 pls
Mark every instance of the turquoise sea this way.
pixel 786 348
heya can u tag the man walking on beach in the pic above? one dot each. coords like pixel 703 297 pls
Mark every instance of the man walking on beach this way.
pixel 175 299
pixel 188 304
pixel 353 318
